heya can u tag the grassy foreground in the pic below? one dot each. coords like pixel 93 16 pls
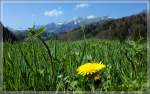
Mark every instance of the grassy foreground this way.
pixel 27 66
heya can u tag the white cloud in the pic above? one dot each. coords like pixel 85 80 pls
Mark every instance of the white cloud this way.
pixel 53 12
pixel 81 5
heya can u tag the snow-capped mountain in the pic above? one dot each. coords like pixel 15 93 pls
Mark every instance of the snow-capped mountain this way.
pixel 75 23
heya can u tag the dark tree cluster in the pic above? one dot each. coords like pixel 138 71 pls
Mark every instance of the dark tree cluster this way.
pixel 6 35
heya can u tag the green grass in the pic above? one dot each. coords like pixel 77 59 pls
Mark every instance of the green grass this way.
pixel 27 66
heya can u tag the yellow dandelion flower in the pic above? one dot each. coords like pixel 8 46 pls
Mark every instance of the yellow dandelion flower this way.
pixel 90 68
pixel 97 77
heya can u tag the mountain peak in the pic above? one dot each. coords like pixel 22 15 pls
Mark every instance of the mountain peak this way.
pixel 91 17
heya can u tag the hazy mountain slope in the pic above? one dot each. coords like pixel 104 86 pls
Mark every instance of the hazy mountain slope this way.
pixel 20 34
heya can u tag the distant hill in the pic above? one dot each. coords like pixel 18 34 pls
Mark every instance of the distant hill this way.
pixel 20 34
pixel 6 34
pixel 130 27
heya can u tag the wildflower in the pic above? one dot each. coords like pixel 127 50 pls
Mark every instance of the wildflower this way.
pixel 90 68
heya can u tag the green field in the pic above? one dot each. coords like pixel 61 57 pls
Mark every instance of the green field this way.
pixel 29 66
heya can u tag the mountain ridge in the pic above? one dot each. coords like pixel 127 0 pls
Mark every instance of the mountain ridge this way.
pixel 131 27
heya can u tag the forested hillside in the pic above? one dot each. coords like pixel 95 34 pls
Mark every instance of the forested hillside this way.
pixel 130 27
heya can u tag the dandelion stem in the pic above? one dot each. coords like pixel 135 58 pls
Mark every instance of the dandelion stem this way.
pixel 50 57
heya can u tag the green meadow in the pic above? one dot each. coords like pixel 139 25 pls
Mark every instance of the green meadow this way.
pixel 33 65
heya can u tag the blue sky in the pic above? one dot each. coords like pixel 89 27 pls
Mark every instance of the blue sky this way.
pixel 24 15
